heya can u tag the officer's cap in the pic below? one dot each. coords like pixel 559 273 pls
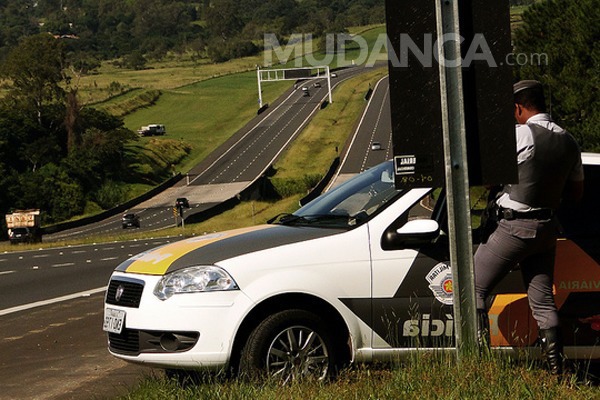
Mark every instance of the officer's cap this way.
pixel 527 84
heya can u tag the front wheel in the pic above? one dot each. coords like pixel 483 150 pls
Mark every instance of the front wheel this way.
pixel 290 345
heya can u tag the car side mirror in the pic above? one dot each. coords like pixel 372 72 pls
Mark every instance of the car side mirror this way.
pixel 411 235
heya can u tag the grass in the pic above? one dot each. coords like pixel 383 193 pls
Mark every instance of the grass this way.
pixel 176 71
pixel 172 73
pixel 207 113
pixel 423 377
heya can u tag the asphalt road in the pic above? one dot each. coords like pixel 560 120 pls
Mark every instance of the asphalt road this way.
pixel 34 277
pixel 52 345
pixel 375 126
pixel 59 352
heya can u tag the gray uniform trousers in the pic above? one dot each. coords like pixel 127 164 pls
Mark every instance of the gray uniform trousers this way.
pixel 530 244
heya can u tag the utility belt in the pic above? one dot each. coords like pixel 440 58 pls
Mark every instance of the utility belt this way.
pixel 510 214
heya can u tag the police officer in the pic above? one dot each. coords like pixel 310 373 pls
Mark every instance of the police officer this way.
pixel 550 171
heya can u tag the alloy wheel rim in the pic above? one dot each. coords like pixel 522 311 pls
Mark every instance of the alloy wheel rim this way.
pixel 297 353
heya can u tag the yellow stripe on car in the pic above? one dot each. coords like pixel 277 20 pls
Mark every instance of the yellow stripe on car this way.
pixel 158 261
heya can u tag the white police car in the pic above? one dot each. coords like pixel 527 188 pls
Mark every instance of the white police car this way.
pixel 360 274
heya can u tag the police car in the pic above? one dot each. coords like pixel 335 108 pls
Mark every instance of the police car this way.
pixel 360 274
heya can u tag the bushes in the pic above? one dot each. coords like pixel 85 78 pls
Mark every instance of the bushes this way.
pixel 287 187
pixel 141 99
pixel 154 162
pixel 109 195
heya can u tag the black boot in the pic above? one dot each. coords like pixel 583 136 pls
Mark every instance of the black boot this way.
pixel 552 349
pixel 483 329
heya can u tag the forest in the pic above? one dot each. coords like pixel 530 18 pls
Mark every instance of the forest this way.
pixel 220 29
pixel 62 157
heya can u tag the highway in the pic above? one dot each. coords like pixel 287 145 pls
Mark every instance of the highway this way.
pixel 51 299
pixel 33 278
pixel 233 166
pixel 375 126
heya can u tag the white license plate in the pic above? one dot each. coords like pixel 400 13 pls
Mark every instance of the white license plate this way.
pixel 114 320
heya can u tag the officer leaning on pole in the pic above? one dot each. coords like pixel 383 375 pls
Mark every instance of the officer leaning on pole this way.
pixel 550 172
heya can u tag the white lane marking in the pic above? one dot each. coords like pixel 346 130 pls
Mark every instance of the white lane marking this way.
pixel 109 258
pixel 7 272
pixel 41 256
pixel 69 264
pixel 24 307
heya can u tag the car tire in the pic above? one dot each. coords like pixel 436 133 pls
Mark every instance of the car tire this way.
pixel 290 345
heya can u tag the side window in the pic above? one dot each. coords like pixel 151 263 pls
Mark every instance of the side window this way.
pixel 433 206
pixel 424 209
pixel 479 198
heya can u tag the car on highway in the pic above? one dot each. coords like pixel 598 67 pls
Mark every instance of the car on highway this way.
pixel 360 274
pixel 375 146
pixel 317 84
pixel 130 220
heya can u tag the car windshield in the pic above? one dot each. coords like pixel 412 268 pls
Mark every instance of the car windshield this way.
pixel 350 203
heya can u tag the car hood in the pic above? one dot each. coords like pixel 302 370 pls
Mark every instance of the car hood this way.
pixel 214 248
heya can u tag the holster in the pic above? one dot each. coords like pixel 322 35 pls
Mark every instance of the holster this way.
pixel 489 220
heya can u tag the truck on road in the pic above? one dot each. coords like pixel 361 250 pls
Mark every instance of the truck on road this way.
pixel 24 226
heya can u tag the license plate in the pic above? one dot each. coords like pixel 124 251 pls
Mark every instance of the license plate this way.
pixel 114 320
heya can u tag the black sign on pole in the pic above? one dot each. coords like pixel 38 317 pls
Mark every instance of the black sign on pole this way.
pixel 415 92
pixel 297 73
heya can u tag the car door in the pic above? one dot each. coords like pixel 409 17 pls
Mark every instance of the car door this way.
pixel 412 285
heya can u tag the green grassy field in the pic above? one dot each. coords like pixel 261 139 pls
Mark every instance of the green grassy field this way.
pixel 206 113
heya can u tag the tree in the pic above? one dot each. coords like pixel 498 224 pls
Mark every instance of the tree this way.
pixel 562 37
pixel 35 68
pixel 52 190
pixel 223 19
pixel 135 60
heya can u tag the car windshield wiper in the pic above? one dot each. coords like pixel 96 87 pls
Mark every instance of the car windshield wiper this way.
pixel 292 219
pixel 285 219
pixel 280 217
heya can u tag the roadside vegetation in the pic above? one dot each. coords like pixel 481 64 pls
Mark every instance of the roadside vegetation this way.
pixel 421 378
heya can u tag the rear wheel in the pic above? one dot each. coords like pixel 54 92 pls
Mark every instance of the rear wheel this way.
pixel 290 345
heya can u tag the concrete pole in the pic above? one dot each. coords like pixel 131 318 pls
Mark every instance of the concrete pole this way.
pixel 329 84
pixel 260 100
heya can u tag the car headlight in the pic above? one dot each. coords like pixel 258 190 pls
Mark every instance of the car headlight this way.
pixel 194 279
